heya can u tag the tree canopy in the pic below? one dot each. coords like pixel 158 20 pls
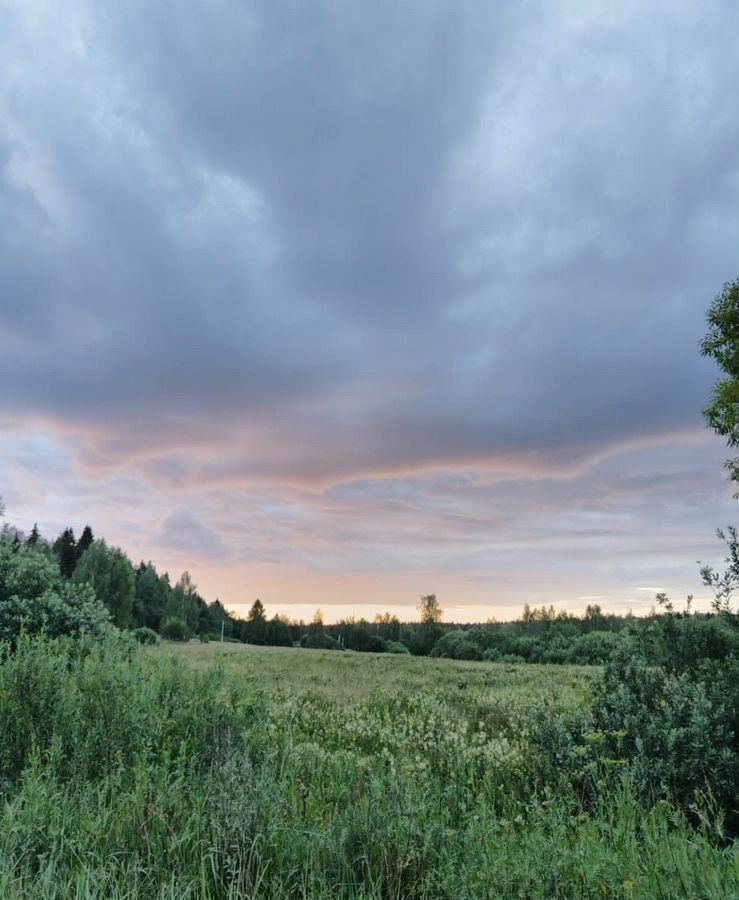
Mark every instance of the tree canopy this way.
pixel 721 343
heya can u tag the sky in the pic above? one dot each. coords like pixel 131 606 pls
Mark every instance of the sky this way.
pixel 338 304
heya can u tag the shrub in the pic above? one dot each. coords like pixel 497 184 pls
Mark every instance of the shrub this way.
pixel 456 645
pixel 396 647
pixel 65 610
pixel 676 732
pixel 175 629
pixel 595 648
pixel 146 636
pixel 94 709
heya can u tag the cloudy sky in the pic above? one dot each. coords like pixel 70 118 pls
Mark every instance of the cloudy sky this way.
pixel 340 303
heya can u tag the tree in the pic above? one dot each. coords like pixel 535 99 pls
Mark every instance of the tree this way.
pixel 34 597
pixel 34 537
pixel 86 538
pixel 430 610
pixel 25 573
pixel 65 548
pixel 430 630
pixel 150 597
pixel 721 343
pixel 278 632
pixel 256 630
pixel 183 602
pixel 109 573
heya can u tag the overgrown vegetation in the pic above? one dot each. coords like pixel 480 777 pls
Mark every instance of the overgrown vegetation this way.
pixel 220 771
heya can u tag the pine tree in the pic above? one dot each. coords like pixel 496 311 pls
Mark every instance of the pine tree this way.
pixel 34 537
pixel 65 548
pixel 256 630
pixel 86 538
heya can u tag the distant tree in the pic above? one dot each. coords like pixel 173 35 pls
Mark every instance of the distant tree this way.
pixel 278 632
pixel 183 602
pixel 256 630
pixel 430 630
pixel 151 593
pixel 2 508
pixel 110 574
pixel 65 548
pixel 34 537
pixel 361 637
pixel 213 617
pixel 593 616
pixel 430 610
pixel 86 538
pixel 388 626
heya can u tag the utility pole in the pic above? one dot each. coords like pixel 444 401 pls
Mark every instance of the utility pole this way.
pixel 223 623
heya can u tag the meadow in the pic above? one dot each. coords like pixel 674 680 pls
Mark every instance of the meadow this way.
pixel 224 771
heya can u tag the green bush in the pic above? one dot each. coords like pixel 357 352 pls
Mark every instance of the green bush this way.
pixel 456 645
pixel 175 629
pixel 146 636
pixel 674 731
pixel 396 647
pixel 93 709
pixel 68 609
pixel 34 598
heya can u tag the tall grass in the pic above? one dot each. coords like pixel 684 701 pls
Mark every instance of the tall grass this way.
pixel 126 773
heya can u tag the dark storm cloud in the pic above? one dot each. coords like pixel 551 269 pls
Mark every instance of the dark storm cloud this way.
pixel 316 241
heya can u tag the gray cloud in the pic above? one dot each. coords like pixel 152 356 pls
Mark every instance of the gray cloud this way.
pixel 411 233
pixel 181 530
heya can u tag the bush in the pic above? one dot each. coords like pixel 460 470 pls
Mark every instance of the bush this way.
pixel 674 731
pixel 456 645
pixel 396 647
pixel 175 629
pixel 94 709
pixel 596 647
pixel 65 610
pixel 146 636
pixel 319 640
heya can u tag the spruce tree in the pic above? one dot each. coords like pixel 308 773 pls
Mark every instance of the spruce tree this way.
pixel 65 548
pixel 86 538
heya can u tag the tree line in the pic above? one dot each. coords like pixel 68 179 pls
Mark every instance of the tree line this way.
pixel 70 584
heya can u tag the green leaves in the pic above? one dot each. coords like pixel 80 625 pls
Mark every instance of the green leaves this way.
pixel 721 343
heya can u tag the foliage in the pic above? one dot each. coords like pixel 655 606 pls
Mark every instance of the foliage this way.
pixel 108 571
pixel 151 593
pixel 86 538
pixel 146 772
pixel 146 636
pixel 456 645
pixel 396 647
pixel 667 712
pixel 721 343
pixel 256 624
pixel 34 598
pixel 25 572
pixel 65 548
pixel 175 629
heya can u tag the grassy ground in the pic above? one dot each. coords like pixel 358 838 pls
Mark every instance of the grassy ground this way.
pixel 349 677
pixel 208 771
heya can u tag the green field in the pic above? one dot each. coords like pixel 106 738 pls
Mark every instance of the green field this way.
pixel 217 771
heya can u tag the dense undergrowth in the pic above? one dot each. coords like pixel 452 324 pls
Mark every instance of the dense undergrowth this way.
pixel 130 772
